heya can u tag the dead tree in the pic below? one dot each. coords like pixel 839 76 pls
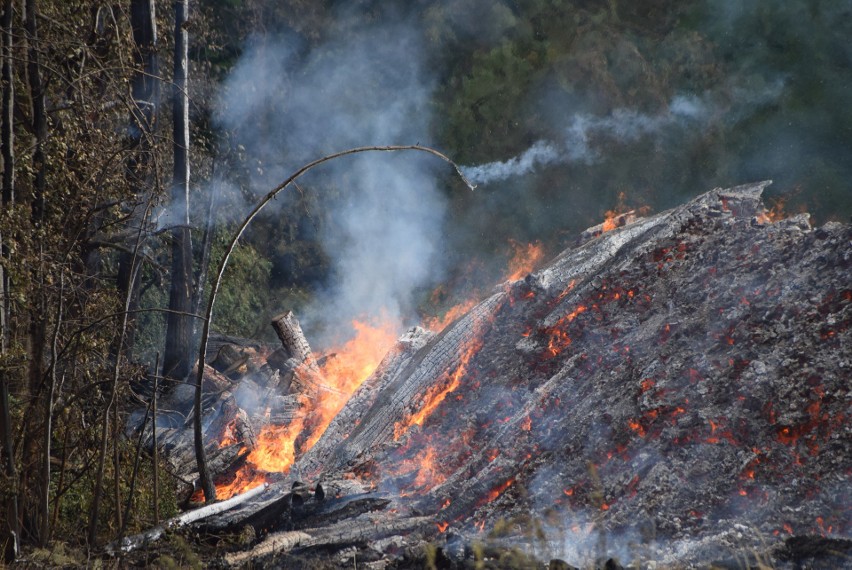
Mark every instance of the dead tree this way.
pixel 176 359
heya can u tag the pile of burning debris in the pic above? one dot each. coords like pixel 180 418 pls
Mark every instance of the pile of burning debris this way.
pixel 674 390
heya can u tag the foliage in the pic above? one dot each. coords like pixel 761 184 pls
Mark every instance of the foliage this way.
pixel 241 302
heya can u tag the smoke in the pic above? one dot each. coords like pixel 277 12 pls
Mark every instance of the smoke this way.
pixel 578 144
pixel 382 214
pixel 539 154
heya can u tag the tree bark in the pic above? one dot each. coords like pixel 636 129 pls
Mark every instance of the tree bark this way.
pixel 176 360
pixel 139 171
pixel 11 532
pixel 36 423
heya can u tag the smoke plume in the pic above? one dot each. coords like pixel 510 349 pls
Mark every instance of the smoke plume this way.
pixel 383 213
pixel 578 142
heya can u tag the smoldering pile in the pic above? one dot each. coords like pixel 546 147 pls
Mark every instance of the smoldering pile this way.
pixel 674 390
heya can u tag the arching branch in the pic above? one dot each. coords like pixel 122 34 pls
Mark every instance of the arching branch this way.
pixel 206 482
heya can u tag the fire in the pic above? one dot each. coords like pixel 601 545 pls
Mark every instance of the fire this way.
pixel 775 213
pixel 499 490
pixel 437 324
pixel 275 451
pixel 438 392
pixel 559 339
pixel 637 427
pixel 355 361
pixel 609 223
pixel 524 259
pixel 428 474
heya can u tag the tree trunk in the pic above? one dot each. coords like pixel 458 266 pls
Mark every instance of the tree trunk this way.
pixel 176 360
pixel 11 530
pixel 139 173
pixel 36 422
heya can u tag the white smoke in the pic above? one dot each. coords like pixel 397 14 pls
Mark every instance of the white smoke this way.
pixel 541 153
pixel 384 218
pixel 578 143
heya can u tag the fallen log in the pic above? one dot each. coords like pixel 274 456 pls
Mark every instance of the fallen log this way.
pixel 364 529
pixel 130 543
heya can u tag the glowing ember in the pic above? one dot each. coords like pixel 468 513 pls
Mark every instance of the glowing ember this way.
pixel 637 427
pixel 499 490
pixel 428 474
pixel 559 339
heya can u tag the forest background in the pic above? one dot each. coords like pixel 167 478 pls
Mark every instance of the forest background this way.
pixel 123 180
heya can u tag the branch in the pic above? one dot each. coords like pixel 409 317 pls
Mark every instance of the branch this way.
pixel 207 485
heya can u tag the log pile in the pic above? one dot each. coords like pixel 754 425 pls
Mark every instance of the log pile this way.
pixel 246 386
pixel 679 382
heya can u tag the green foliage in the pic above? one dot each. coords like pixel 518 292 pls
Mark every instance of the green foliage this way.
pixel 241 302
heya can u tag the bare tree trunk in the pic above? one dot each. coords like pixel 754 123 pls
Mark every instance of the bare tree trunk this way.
pixel 203 266
pixel 11 532
pixel 156 457
pixel 146 89
pixel 38 303
pixel 38 110
pixel 44 499
pixel 176 359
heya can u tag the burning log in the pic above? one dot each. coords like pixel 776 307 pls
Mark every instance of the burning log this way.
pixel 294 342
pixel 129 543
pixel 305 375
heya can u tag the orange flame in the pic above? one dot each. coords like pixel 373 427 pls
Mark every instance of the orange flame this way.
pixel 524 259
pixel 499 490
pixel 637 427
pixel 609 221
pixel 559 339
pixel 775 213
pixel 435 395
pixel 437 324
pixel 428 474
pixel 275 450
pixel 354 363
